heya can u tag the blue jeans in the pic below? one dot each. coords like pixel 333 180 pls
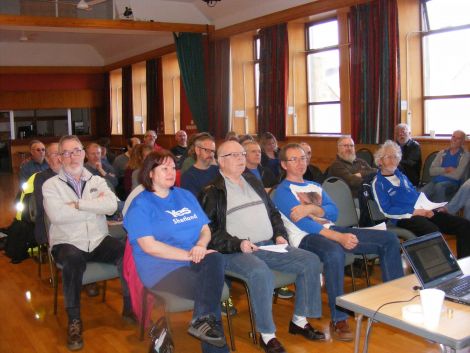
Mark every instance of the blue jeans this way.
pixel 461 199
pixel 73 261
pixel 332 254
pixel 203 283
pixel 440 192
pixel 257 266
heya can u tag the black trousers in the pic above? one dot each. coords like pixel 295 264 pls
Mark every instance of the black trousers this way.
pixel 444 223
pixel 74 261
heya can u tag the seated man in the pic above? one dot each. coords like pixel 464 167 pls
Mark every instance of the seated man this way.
pixel 396 198
pixel 77 203
pixel 311 209
pixel 253 164
pixel 150 138
pixel 242 218
pixel 447 169
pixel 312 173
pixel 460 200
pixel 349 168
pixel 410 163
pixel 180 150
pixel 204 170
pixel 37 162
pixel 99 166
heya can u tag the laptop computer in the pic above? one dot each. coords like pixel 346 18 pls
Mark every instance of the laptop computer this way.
pixel 436 266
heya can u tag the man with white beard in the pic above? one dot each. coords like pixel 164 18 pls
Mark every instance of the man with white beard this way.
pixel 349 168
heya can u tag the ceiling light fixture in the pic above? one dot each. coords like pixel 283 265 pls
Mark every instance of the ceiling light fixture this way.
pixel 82 5
pixel 211 3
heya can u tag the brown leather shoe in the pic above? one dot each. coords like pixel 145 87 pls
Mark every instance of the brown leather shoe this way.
pixel 340 331
pixel 273 346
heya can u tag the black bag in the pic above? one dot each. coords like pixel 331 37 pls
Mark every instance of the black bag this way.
pixel 20 239
pixel 161 338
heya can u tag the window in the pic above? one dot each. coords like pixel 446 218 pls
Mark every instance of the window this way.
pixel 139 97
pixel 115 81
pixel 324 109
pixel 256 54
pixel 446 65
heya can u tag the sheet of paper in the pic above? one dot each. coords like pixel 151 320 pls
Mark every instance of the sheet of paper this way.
pixel 380 226
pixel 274 248
pixel 423 203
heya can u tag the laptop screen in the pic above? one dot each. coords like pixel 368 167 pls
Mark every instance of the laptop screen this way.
pixel 431 259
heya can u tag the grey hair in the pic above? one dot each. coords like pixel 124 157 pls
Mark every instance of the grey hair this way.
pixel 344 137
pixel 403 126
pixel 462 133
pixel 380 153
pixel 65 138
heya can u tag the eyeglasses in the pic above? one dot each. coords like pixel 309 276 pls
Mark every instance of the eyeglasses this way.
pixel 391 156
pixel 207 150
pixel 347 145
pixel 75 152
pixel 53 154
pixel 235 154
pixel 297 159
pixel 39 149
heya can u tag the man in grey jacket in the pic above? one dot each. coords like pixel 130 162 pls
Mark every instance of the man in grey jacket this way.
pixel 76 203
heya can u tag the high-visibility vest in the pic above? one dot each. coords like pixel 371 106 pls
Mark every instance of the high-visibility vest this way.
pixel 28 188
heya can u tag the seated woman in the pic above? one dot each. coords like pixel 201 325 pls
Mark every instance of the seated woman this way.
pixel 270 153
pixel 169 235
pixel 396 197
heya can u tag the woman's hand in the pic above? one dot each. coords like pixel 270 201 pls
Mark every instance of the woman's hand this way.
pixel 197 253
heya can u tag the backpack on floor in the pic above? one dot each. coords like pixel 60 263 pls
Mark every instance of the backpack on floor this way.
pixel 20 238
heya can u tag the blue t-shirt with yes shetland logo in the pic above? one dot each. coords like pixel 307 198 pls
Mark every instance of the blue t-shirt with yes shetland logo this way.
pixel 175 220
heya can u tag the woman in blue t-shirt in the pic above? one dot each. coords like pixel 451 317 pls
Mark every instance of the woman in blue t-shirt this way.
pixel 169 235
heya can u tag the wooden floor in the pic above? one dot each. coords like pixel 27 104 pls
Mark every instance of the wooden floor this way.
pixel 29 325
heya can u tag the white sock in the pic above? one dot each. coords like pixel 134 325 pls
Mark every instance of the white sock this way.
pixel 300 321
pixel 266 337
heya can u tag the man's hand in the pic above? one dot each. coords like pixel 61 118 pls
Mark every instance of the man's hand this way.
pixel 301 211
pixel 348 241
pixel 281 240
pixel 247 246
pixel 449 170
pixel 424 213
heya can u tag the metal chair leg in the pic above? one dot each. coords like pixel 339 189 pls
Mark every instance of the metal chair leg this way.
pixel 252 319
pixel 353 278
pixel 366 270
pixel 229 325
pixel 104 291
pixel 56 285
pixel 143 313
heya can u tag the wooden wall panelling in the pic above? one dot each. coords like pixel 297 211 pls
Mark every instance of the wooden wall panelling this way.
pixel 243 82
pixel 171 93
pixel 344 72
pixel 297 91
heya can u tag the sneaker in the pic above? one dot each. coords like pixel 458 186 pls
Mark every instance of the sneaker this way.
pixel 74 335
pixel 233 311
pixel 206 329
pixel 284 293
pixel 340 331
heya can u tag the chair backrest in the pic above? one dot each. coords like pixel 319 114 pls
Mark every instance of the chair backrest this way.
pixel 341 195
pixel 425 176
pixel 366 155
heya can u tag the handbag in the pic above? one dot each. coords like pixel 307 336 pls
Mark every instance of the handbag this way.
pixel 161 341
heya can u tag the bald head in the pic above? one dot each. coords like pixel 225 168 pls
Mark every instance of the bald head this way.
pixel 231 158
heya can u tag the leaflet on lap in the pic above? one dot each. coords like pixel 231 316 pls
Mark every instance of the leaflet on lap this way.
pixel 274 248
pixel 423 203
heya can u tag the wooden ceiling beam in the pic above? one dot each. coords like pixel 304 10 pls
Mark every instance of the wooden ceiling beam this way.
pixel 64 22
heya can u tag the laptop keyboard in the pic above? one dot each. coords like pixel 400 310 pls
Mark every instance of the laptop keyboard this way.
pixel 458 288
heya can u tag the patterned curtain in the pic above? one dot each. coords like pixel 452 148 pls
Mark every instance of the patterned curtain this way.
pixel 127 107
pixel 190 52
pixel 273 81
pixel 219 88
pixel 103 121
pixel 375 71
pixel 154 95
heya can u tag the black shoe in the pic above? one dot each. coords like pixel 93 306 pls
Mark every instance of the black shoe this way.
pixel 273 346
pixel 284 293
pixel 205 328
pixel 307 331
pixel 74 335
pixel 92 290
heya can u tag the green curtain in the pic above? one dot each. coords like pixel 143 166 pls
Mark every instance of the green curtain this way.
pixel 190 52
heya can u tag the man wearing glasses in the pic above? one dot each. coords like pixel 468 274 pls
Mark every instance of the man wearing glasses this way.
pixel 37 162
pixel 349 168
pixel 312 212
pixel 243 218
pixel 204 169
pixel 76 203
